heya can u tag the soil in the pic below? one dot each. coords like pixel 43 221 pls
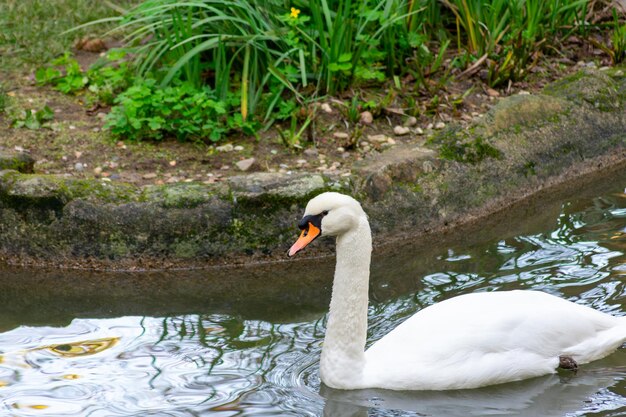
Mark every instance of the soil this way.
pixel 76 145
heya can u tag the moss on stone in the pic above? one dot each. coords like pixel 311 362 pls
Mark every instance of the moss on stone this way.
pixel 182 195
pixel 17 161
pixel 588 86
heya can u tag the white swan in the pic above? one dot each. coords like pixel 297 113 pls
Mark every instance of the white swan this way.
pixel 468 341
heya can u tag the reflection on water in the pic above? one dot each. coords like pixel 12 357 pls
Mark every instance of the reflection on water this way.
pixel 216 359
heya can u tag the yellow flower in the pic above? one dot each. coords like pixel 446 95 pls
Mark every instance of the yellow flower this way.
pixel 294 12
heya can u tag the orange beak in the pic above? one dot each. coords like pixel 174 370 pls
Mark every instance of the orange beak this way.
pixel 307 236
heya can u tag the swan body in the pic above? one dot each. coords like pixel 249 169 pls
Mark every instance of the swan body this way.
pixel 468 341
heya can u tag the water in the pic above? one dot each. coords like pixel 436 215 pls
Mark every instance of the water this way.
pixel 229 343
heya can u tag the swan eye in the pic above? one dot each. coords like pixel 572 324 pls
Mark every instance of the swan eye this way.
pixel 325 212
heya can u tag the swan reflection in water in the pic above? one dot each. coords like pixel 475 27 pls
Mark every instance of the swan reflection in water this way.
pixel 548 396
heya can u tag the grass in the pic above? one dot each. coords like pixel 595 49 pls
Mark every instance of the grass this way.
pixel 32 31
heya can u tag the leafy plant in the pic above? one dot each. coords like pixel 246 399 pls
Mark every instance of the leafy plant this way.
pixel 146 111
pixel 31 119
pixel 69 79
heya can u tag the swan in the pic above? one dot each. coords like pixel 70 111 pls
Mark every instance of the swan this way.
pixel 468 341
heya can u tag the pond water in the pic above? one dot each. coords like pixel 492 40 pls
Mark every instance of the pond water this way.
pixel 247 342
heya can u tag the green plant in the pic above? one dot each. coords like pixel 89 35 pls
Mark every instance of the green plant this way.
pixel 146 111
pixel 31 119
pixel 4 99
pixel 291 137
pixel 106 78
pixel 472 152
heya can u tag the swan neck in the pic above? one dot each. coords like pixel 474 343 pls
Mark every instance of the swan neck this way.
pixel 343 357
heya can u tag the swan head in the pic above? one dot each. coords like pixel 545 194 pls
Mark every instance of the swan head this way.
pixel 328 214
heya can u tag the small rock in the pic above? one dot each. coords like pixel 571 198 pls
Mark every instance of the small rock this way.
pixel 341 149
pixel 301 161
pixel 115 176
pixel 238 148
pixel 72 127
pixel 245 164
pixel 401 130
pixel 363 144
pixel 430 126
pixel 101 115
pixel 224 167
pixel 79 167
pixel 274 151
pixel 172 180
pixel 378 138
pixel 326 108
pixel 440 125
pixel 391 141
pixel 225 148
pixel 311 152
pixel 149 176
pixel 340 135
pixel 618 73
pixel 97 171
pixel 78 154
pixel 18 149
pixel 492 93
pixel 95 129
pixel 411 121
pixel 419 131
pixel 172 163
pixel 523 93
pixel 366 118
pixel 113 165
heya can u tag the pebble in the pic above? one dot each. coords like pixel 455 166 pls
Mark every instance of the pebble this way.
pixel 401 130
pixel 149 176
pixel 245 164
pixel 172 180
pixel 419 131
pixel 95 129
pixel 341 135
pixel 366 118
pixel 72 127
pixel 440 125
pixel 101 115
pixel 97 171
pixel 78 166
pixel 492 93
pixel 523 93
pixel 618 73
pixel 172 163
pixel 224 167
pixel 326 108
pixel 430 126
pixel 341 149
pixel 378 138
pixel 225 148
pixel 238 148
pixel 301 161
pixel 411 121
pixel 311 152
pixel 78 154
pixel 115 176
pixel 390 141
pixel 274 151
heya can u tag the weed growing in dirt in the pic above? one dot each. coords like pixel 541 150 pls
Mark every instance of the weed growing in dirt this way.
pixel 31 119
